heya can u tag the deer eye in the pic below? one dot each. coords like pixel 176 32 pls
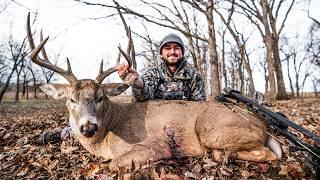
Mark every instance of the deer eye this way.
pixel 99 99
pixel 72 100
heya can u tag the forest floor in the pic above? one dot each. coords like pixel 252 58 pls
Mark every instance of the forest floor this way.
pixel 21 157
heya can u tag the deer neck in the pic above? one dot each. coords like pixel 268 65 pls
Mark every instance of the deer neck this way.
pixel 114 115
pixel 125 121
pixel 117 134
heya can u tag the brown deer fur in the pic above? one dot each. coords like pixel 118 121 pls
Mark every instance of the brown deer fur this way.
pixel 154 130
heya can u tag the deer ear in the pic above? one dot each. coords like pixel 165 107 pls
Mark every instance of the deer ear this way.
pixel 57 91
pixel 114 89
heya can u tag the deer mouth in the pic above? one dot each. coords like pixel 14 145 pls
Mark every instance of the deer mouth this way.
pixel 89 129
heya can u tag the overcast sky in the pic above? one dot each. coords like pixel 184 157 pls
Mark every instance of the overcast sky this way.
pixel 85 41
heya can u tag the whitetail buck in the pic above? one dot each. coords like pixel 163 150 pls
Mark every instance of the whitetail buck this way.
pixel 137 132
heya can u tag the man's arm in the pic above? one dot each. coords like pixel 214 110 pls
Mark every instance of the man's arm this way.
pixel 197 88
pixel 151 81
pixel 143 88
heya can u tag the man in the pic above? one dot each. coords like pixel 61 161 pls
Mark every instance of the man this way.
pixel 173 79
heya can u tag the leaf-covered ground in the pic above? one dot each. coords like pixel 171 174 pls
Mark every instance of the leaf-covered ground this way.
pixel 22 158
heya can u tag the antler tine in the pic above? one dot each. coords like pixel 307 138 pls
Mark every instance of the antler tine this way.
pixel 126 56
pixel 30 39
pixel 43 50
pixel 103 74
pixel 68 75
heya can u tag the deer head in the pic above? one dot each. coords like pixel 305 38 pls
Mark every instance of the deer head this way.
pixel 86 98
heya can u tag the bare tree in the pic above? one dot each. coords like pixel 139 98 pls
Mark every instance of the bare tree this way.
pixel 222 67
pixel 300 60
pixel 240 41
pixel 298 64
pixel 16 55
pixel 265 15
pixel 149 49
pixel 25 82
pixel 18 71
pixel 313 44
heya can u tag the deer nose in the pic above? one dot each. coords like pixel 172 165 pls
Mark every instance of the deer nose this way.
pixel 89 129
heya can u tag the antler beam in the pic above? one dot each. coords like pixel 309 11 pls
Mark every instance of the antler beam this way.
pixel 68 75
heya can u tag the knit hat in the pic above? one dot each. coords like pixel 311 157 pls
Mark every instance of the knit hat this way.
pixel 171 38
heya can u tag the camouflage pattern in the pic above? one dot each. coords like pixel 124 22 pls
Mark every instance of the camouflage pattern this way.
pixel 160 83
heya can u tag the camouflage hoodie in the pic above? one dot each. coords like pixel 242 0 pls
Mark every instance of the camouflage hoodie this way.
pixel 160 83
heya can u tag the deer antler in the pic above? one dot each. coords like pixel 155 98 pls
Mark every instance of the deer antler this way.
pixel 68 75
pixel 103 74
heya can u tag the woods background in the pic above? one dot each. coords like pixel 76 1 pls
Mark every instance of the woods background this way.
pixel 231 43
pixel 243 44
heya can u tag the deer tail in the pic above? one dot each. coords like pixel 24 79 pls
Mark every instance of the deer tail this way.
pixel 275 146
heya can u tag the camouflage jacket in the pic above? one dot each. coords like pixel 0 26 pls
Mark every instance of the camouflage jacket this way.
pixel 160 83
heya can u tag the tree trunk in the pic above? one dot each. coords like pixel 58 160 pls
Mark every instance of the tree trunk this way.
pixel 193 53
pixel 241 75
pixel 247 67
pixel 271 93
pixel 289 77
pixel 282 94
pixel 35 91
pixel 223 64
pixel 6 84
pixel 24 84
pixel 314 83
pixel 16 98
pixel 215 81
pixel 34 84
pixel 297 86
pixel 27 91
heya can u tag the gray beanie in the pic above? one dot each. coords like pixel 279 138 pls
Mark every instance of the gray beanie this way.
pixel 171 38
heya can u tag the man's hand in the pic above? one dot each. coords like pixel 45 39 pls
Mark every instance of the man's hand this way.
pixel 130 76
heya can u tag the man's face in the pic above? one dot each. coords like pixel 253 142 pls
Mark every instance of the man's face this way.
pixel 171 53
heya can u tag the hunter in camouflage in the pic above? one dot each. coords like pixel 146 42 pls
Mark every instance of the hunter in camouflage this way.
pixel 174 78
pixel 160 83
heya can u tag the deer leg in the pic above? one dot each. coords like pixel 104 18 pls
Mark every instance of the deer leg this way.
pixel 258 155
pixel 136 157
pixel 218 155
pixel 139 155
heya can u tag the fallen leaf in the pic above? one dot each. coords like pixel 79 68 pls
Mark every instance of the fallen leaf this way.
pixel 247 174
pixel 23 171
pixel 262 168
pixel 283 170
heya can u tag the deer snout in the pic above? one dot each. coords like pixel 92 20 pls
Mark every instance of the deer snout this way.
pixel 88 129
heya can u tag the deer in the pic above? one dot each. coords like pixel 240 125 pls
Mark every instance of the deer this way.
pixel 133 134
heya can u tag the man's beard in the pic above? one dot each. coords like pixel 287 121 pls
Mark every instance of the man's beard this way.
pixel 170 63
